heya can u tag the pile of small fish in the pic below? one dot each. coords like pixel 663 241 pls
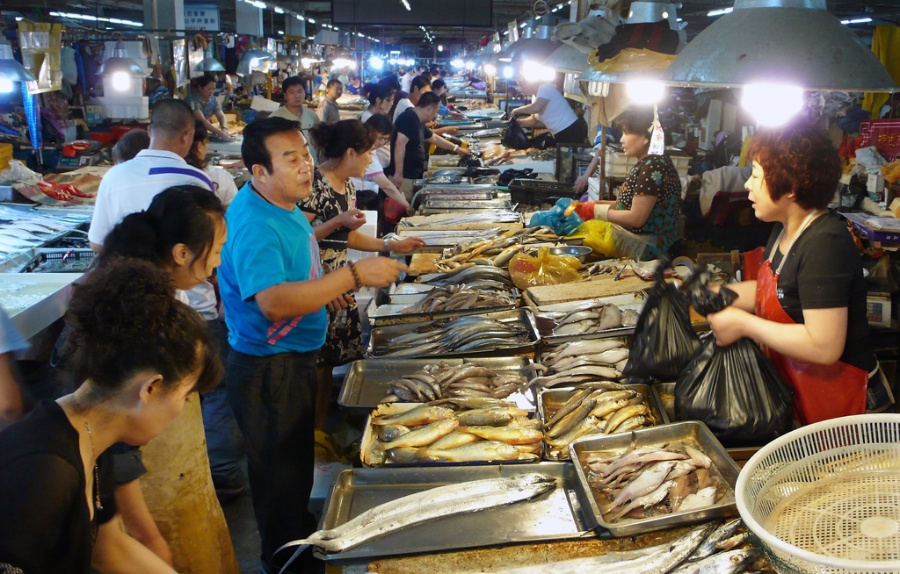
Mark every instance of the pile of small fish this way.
pixel 441 381
pixel 462 429
pixel 460 297
pixel 499 250
pixel 707 549
pixel 653 481
pixel 493 216
pixel 472 333
pixel 435 503
pixel 601 409
pixel 486 277
pixel 586 361
pixel 594 317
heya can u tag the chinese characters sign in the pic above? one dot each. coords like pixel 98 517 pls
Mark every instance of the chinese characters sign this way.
pixel 201 17
pixel 884 135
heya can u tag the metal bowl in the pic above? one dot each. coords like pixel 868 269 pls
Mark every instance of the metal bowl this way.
pixel 581 252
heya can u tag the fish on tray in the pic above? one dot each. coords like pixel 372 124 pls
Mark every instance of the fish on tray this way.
pixel 498 250
pixel 599 409
pixel 653 481
pixel 486 277
pixel 585 361
pixel 471 333
pixel 459 297
pixel 454 430
pixel 441 380
pixel 593 318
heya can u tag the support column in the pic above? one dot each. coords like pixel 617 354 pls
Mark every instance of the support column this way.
pixel 164 14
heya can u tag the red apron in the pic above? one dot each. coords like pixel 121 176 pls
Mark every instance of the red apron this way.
pixel 820 391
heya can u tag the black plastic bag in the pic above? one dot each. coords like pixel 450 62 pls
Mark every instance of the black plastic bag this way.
pixel 664 340
pixel 735 390
pixel 514 136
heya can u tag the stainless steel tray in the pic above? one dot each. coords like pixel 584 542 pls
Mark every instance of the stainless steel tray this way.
pixel 384 310
pixel 380 335
pixel 448 195
pixel 435 203
pixel 366 382
pixel 551 400
pixel 553 516
pixel 694 433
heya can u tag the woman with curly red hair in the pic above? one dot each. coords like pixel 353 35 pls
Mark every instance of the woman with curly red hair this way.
pixel 807 307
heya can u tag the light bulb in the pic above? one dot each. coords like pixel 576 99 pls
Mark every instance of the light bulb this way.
pixel 121 81
pixel 772 104
pixel 490 69
pixel 457 63
pixel 534 72
pixel 470 66
pixel 645 91
pixel 508 72
pixel 6 85
pixel 376 63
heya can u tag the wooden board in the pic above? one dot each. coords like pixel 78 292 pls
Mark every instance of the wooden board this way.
pixel 423 263
pixel 603 286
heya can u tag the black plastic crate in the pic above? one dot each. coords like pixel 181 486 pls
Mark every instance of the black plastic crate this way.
pixel 536 192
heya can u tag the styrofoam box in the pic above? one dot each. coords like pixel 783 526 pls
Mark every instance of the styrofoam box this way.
pixel 124 108
pixel 618 164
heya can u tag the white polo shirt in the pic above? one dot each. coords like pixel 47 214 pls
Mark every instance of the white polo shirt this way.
pixel 402 106
pixel 131 186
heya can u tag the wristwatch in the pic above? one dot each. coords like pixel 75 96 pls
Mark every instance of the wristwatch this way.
pixel 387 241
pixel 455 147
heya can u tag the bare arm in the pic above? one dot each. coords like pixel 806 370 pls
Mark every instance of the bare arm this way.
pixel 11 408
pixel 213 129
pixel 220 115
pixel 399 156
pixel 539 105
pixel 351 219
pixel 115 552
pixel 531 122
pixel 582 182
pixel 444 144
pixel 137 520
pixel 820 339
pixel 298 298
pixel 388 187
pixel 362 242
pixel 641 207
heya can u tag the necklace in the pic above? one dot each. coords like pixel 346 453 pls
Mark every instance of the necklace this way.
pixel 87 427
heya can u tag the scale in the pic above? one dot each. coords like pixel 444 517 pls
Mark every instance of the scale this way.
pixel 80 153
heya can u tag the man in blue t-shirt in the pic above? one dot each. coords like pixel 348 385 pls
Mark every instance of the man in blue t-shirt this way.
pixel 274 294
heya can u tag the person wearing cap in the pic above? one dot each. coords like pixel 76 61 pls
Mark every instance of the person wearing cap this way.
pixel 650 199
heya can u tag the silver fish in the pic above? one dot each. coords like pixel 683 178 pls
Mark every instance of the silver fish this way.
pixel 719 534
pixel 648 481
pixel 724 563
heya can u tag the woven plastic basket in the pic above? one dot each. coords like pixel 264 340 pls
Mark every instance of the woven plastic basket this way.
pixel 826 498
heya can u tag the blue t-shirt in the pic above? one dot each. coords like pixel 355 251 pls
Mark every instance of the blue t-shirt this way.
pixel 267 246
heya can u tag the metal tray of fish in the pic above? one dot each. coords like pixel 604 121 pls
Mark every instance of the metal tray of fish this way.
pixel 546 318
pixel 551 400
pixel 366 382
pixel 691 433
pixel 385 310
pixel 521 318
pixel 435 203
pixel 376 453
pixel 553 516
pixel 664 393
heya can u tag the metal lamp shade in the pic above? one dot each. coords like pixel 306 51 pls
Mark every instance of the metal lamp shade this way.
pixel 127 65
pixel 794 42
pixel 209 65
pixel 15 71
pixel 566 58
pixel 243 68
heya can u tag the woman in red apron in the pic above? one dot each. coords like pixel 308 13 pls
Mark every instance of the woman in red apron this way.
pixel 807 307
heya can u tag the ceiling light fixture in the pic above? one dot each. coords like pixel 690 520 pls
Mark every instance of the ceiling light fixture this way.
pixel 779 41
pixel 406 5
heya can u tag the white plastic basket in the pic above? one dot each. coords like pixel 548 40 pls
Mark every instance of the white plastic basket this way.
pixel 825 498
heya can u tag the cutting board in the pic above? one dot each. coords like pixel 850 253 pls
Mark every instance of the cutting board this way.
pixel 423 263
pixel 603 286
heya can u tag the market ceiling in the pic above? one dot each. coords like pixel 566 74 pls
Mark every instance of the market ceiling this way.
pixel 693 12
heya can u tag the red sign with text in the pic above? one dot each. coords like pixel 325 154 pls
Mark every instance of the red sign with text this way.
pixel 884 135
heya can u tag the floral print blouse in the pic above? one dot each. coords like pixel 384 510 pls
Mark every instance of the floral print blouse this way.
pixel 655 175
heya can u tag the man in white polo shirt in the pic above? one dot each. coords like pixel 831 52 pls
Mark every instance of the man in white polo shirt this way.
pixel 130 187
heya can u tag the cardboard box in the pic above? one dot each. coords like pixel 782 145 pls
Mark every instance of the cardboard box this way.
pixel 878 309
pixel 883 229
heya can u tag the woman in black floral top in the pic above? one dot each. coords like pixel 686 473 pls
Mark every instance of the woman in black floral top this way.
pixel 345 152
pixel 650 199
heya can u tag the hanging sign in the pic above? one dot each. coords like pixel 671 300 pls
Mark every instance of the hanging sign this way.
pixel 201 17
pixel 884 135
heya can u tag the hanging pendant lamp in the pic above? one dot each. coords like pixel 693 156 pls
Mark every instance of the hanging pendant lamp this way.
pixel 779 41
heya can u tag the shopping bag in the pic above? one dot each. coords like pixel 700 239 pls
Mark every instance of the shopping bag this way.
pixel 514 136
pixel 735 390
pixel 664 340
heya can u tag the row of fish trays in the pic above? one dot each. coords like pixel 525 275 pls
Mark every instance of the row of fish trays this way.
pixel 437 240
pixel 503 334
pixel 599 318
pixel 457 221
pixel 433 303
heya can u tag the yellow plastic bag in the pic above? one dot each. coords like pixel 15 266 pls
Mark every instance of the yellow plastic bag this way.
pixel 598 235
pixel 545 269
